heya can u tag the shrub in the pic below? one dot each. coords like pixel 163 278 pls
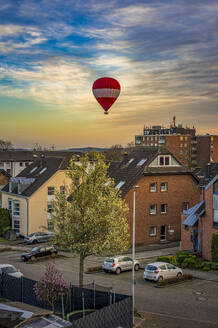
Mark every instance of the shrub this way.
pixel 169 259
pixel 189 262
pixel 206 268
pixel 214 247
pixel 214 265
pixel 5 220
pixel 181 256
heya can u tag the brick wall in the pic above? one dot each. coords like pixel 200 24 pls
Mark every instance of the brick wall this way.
pixel 207 223
pixel 181 188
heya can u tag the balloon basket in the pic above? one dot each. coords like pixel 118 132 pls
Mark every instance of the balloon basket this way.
pixel 106 113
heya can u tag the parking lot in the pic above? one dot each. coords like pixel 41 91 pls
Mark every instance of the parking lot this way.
pixel 194 300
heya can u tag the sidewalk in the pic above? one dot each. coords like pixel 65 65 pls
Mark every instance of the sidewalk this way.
pixel 204 275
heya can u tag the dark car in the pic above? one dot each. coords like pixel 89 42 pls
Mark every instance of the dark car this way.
pixel 38 252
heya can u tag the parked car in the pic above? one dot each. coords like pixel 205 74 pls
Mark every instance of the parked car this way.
pixel 37 252
pixel 158 271
pixel 119 263
pixel 38 237
pixel 11 270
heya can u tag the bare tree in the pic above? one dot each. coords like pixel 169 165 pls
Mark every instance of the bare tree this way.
pixel 5 144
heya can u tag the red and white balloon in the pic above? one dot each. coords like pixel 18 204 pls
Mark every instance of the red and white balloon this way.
pixel 106 91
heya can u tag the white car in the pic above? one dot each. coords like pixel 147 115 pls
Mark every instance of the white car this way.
pixel 11 270
pixel 158 271
pixel 119 263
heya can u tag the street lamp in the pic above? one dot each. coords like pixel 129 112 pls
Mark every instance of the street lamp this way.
pixel 133 253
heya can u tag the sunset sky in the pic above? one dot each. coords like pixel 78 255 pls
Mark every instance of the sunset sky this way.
pixel 164 54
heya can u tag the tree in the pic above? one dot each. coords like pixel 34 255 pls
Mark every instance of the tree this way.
pixel 90 218
pixel 5 144
pixel 114 153
pixel 51 286
pixel 5 221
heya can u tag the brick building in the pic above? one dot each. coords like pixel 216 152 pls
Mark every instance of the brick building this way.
pixel 180 141
pixel 190 149
pixel 165 189
pixel 201 221
pixel 207 149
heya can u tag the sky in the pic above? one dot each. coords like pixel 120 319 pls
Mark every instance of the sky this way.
pixel 164 54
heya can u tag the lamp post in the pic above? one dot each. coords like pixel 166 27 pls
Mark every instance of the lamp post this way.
pixel 133 253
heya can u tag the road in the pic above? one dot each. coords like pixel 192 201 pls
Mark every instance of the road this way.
pixel 195 300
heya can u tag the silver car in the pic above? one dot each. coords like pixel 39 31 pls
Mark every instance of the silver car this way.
pixel 158 271
pixel 11 270
pixel 119 263
pixel 38 237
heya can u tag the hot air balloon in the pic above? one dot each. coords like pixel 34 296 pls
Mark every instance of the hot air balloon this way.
pixel 106 91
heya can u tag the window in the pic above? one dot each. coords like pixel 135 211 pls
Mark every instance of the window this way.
pixel 51 190
pixel 185 206
pixel 211 146
pixel 120 184
pixel 185 145
pixel 49 208
pixel 164 160
pixel 43 170
pixel 16 225
pixel 16 208
pixel 10 206
pixel 215 187
pixel 142 162
pixel 181 145
pixel 21 164
pixel 181 138
pixel 26 164
pixel 153 209
pixel 153 187
pixel 186 138
pixel 33 169
pixel 152 231
pixel 50 225
pixel 1 165
pixel 163 186
pixel 163 208
pixel 62 189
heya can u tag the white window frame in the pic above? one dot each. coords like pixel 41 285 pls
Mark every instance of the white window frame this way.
pixel 164 160
pixel 16 212
pixel 165 209
pixel 161 186
pixel 154 233
pixel 16 225
pixel 153 188
pixel 49 192
pixel 153 211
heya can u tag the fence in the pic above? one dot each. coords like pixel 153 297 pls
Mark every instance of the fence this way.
pixel 114 310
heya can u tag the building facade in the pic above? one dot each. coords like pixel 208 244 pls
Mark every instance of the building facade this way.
pixel 201 221
pixel 166 188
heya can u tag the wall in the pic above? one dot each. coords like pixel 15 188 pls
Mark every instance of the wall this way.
pixel 38 202
pixel 207 223
pixel 181 188
pixel 23 210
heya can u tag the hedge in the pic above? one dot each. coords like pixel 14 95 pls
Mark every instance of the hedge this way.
pixel 214 247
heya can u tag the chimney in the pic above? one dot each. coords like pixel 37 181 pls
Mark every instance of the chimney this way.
pixel 207 171
pixel 125 157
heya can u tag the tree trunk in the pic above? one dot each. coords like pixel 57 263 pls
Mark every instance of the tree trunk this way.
pixel 81 269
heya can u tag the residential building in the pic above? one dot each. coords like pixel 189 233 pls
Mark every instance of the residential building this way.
pixel 166 187
pixel 29 195
pixel 14 162
pixel 207 149
pixel 201 221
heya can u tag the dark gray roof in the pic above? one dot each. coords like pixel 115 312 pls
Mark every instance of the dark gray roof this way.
pixel 207 173
pixel 128 170
pixel 27 155
pixel 5 173
pixel 39 171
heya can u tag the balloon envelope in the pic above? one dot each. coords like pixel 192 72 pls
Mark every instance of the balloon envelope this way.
pixel 106 91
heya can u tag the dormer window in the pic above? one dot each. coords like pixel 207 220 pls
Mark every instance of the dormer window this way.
pixel 130 161
pixel 164 160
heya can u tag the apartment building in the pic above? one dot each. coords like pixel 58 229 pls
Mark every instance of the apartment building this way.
pixel 166 188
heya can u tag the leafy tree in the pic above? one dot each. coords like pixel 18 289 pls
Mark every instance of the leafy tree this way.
pixel 5 221
pixel 51 286
pixel 92 220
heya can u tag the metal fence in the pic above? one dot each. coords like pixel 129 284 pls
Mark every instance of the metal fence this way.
pixel 114 310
